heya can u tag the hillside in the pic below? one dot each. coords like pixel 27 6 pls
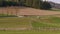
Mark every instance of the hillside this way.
pixel 47 23
pixel 26 11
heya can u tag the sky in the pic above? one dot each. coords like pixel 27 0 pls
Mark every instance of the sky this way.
pixel 56 1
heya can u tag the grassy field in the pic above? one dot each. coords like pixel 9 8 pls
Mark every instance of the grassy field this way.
pixel 29 22
pixel 26 21
pixel 13 22
pixel 29 32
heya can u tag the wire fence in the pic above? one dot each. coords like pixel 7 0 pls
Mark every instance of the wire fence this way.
pixel 9 8
pixel 9 11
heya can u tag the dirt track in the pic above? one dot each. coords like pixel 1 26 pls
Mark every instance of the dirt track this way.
pixel 26 11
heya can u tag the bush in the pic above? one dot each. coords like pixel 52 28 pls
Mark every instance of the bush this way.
pixel 7 3
pixel 45 5
pixel 10 3
pixel 21 4
pixel 3 4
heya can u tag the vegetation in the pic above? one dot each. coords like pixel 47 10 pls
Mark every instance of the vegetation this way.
pixel 7 3
pixel 17 22
pixel 6 15
pixel 13 22
pixel 45 5
pixel 28 3
pixel 33 3
pixel 26 21
pixel 29 32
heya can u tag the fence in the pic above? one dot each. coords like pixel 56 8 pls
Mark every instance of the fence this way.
pixel 9 11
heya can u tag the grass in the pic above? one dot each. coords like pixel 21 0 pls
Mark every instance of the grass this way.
pixel 47 22
pixel 13 22
pixel 27 22
pixel 6 15
pixel 55 9
pixel 29 32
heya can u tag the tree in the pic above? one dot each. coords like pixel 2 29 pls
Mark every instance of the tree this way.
pixel 45 5
pixel 33 3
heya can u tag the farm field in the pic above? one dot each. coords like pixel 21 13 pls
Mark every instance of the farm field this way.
pixel 44 21
pixel 30 25
pixel 12 23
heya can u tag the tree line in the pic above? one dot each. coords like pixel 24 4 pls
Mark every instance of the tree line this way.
pixel 28 3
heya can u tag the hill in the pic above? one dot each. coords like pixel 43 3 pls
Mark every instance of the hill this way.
pixel 26 11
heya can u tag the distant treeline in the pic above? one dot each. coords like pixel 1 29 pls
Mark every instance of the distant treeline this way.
pixel 27 3
pixel 8 3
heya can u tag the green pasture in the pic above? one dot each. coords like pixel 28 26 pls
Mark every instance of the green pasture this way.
pixel 9 22
pixel 28 21
pixel 29 32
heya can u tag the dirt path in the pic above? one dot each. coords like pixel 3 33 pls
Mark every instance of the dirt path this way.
pixel 26 11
